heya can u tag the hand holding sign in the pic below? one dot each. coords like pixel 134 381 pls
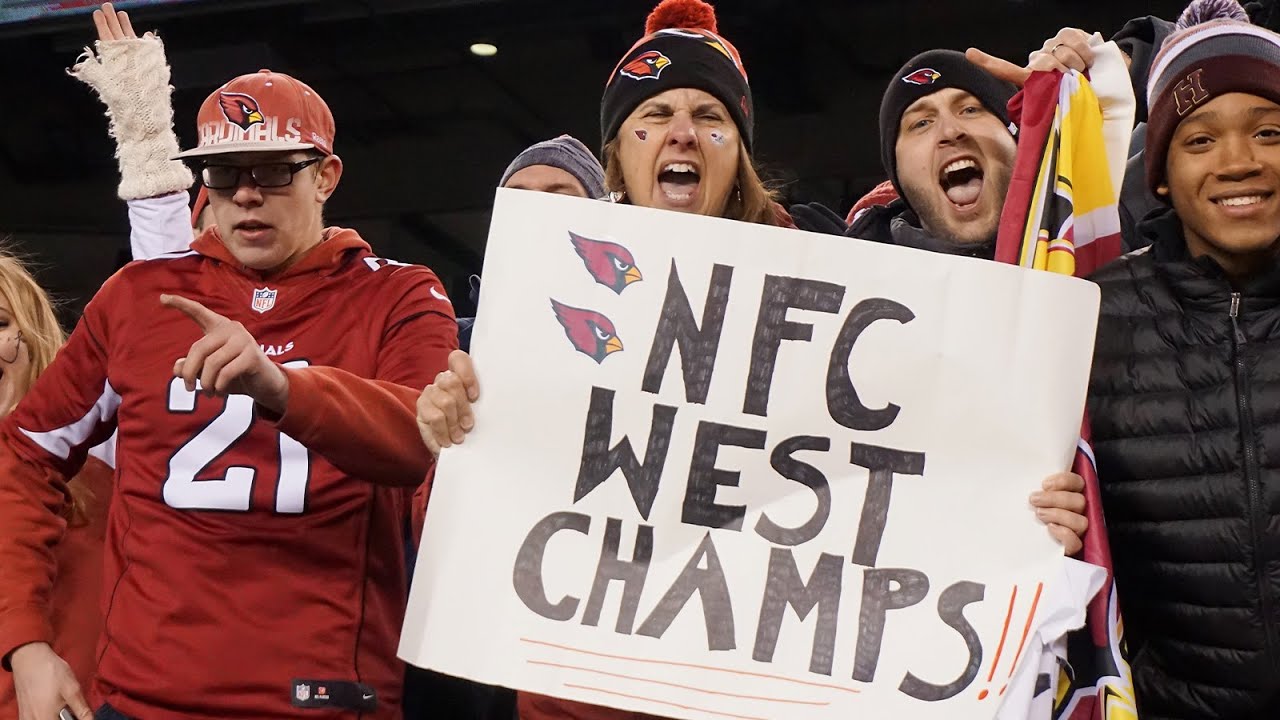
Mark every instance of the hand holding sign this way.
pixel 444 408
pixel 1060 505
pixel 228 360
pixel 807 471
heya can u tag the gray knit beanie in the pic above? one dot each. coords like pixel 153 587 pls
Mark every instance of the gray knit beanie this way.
pixel 566 153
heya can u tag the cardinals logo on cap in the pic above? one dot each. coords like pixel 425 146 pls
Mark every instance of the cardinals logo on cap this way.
pixel 240 109
pixel 923 76
pixel 609 263
pixel 591 333
pixel 646 66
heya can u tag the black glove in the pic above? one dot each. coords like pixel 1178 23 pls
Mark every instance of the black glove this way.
pixel 818 218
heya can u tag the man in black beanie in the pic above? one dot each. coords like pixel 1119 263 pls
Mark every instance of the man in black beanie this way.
pixel 948 147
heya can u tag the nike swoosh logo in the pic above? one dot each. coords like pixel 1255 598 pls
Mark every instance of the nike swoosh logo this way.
pixel 438 296
pixel 367 696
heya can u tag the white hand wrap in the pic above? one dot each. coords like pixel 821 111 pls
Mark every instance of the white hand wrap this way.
pixel 132 79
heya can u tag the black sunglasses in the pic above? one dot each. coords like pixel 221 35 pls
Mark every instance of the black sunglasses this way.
pixel 269 175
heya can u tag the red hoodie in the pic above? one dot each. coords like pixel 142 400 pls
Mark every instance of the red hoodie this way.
pixel 250 561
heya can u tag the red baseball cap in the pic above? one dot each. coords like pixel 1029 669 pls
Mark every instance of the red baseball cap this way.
pixel 263 112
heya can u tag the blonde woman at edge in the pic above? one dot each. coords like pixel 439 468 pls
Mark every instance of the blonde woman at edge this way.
pixel 155 188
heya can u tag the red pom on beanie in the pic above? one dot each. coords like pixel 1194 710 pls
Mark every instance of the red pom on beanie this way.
pixel 681 14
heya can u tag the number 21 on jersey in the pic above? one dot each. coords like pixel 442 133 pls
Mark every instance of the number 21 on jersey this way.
pixel 233 491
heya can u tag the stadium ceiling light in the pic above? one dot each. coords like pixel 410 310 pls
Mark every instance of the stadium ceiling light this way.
pixel 484 49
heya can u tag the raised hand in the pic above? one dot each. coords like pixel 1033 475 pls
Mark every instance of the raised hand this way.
pixel 1068 50
pixel 113 24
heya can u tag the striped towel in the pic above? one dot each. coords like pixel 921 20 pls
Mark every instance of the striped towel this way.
pixel 1062 215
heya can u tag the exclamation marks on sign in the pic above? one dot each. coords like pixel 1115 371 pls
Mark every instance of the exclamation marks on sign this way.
pixel 1004 634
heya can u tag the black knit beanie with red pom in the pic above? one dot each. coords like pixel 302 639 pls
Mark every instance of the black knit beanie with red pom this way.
pixel 680 49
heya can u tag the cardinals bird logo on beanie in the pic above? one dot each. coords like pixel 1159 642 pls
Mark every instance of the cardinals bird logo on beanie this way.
pixel 648 66
pixel 681 48
pixel 924 76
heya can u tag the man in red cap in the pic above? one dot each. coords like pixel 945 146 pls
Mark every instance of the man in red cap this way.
pixel 263 386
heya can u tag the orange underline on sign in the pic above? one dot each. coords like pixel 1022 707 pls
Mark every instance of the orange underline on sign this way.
pixel 677 685
pixel 1003 634
pixel 692 666
pixel 662 702
pixel 1027 628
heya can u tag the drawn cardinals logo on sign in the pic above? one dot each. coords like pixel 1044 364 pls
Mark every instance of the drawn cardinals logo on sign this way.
pixel 263 300
pixel 240 110
pixel 923 76
pixel 646 66
pixel 609 263
pixel 591 333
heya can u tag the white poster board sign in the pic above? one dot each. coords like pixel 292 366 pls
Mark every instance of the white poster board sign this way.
pixel 721 470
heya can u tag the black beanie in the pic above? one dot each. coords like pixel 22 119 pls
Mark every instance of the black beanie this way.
pixel 924 75
pixel 679 50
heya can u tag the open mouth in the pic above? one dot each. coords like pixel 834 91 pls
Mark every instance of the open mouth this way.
pixel 961 181
pixel 679 181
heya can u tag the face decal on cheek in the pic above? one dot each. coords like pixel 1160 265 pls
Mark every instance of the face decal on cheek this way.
pixel 718 137
pixel 642 135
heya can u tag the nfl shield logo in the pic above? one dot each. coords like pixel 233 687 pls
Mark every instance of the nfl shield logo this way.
pixel 263 300
pixel 303 690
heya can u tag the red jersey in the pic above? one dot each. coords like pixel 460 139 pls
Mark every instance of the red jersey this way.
pixel 254 565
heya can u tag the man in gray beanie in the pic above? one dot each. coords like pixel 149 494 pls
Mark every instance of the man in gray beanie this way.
pixel 561 165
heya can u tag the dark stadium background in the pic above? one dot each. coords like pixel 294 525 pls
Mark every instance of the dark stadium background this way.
pixel 426 127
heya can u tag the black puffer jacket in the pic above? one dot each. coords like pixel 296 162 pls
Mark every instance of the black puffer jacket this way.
pixel 1185 401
